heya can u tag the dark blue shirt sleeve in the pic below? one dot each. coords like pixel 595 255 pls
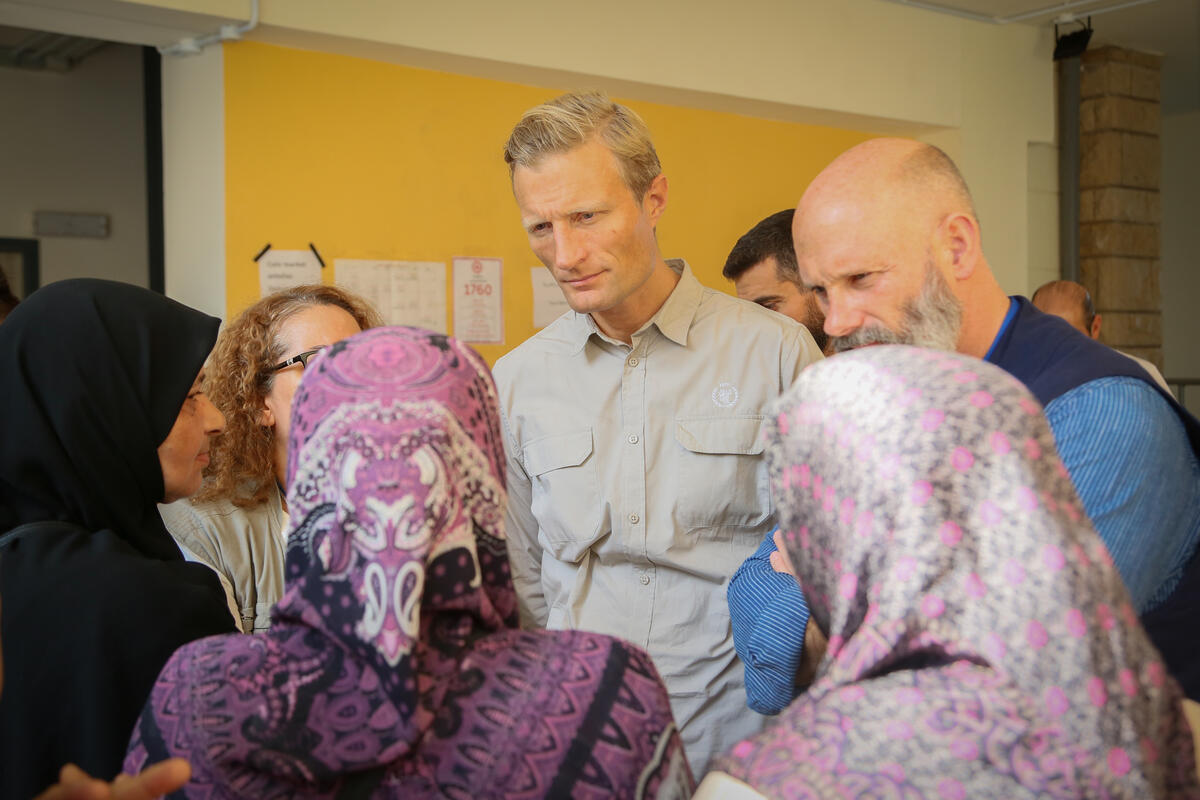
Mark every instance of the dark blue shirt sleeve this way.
pixel 769 616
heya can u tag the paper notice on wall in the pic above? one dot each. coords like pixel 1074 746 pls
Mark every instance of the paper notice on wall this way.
pixel 478 308
pixel 404 292
pixel 283 269
pixel 548 301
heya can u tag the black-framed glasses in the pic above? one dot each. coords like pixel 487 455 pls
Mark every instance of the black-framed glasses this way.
pixel 299 358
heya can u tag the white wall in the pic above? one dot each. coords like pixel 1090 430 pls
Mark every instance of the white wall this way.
pixel 1180 190
pixel 75 142
pixel 1044 257
pixel 193 109
pixel 982 92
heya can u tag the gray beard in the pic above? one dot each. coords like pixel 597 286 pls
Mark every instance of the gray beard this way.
pixel 932 320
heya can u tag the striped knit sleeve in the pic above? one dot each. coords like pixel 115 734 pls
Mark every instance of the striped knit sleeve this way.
pixel 1129 458
pixel 769 616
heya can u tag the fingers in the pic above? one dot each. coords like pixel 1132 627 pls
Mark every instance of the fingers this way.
pixel 75 784
pixel 779 559
pixel 72 774
pixel 815 645
pixel 155 781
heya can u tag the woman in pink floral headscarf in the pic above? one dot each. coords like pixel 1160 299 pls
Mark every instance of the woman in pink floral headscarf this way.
pixel 980 642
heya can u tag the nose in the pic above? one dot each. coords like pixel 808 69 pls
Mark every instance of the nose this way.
pixel 841 317
pixel 568 248
pixel 214 420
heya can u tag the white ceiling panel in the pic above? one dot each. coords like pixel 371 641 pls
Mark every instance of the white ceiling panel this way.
pixel 1170 28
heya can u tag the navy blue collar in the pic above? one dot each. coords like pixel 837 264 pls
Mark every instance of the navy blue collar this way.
pixel 1008 318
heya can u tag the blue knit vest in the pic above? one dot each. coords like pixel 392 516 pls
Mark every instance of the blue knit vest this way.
pixel 1051 358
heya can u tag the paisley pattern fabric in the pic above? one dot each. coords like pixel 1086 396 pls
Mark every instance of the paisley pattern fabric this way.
pixel 981 643
pixel 393 667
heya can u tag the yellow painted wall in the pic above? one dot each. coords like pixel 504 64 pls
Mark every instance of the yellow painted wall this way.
pixel 375 160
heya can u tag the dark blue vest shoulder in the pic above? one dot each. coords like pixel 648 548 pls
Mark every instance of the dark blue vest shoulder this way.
pixel 1051 358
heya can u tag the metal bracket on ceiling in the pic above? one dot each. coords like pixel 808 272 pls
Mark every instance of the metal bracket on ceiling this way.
pixel 192 45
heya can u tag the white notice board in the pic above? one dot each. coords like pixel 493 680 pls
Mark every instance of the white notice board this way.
pixel 283 269
pixel 478 307
pixel 404 292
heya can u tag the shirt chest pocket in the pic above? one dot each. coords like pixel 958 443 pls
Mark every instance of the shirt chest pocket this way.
pixel 721 475
pixel 565 491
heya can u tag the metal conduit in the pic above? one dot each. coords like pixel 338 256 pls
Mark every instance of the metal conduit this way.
pixel 1068 168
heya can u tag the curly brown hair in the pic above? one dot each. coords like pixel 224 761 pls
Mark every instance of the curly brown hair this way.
pixel 238 378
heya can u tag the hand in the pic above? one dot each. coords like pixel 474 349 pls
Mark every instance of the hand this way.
pixel 155 781
pixel 779 559
pixel 815 645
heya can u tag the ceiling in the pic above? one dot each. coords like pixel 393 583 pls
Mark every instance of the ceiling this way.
pixel 1170 28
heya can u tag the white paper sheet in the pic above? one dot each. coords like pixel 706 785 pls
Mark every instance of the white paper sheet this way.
pixel 478 306
pixel 283 269
pixel 404 292
pixel 548 301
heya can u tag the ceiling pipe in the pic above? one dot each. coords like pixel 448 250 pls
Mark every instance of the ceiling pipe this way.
pixel 1063 9
pixel 1068 168
pixel 192 45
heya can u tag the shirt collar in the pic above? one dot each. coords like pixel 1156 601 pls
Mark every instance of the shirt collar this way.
pixel 1013 305
pixel 673 320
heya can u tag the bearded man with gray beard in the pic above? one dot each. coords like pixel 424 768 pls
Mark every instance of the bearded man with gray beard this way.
pixel 888 241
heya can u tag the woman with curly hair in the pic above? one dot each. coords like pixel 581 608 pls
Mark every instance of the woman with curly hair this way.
pixel 235 524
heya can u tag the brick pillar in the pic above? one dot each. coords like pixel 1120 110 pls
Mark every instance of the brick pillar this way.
pixel 1119 210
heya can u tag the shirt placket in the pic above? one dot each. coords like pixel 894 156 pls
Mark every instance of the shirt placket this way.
pixel 633 483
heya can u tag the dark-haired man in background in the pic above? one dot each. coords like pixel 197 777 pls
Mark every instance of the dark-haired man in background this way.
pixel 762 266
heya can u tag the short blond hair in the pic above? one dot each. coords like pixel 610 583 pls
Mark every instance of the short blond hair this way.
pixel 572 119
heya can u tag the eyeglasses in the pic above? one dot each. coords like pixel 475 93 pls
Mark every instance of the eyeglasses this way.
pixel 299 358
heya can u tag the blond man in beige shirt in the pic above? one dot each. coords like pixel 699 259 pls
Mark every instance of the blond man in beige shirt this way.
pixel 636 482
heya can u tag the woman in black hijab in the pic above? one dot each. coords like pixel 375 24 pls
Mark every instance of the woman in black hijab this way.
pixel 101 417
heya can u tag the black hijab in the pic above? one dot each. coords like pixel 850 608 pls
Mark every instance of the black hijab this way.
pixel 94 374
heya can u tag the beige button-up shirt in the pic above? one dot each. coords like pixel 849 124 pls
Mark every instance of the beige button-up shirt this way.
pixel 637 485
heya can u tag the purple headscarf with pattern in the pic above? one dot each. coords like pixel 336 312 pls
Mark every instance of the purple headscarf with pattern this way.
pixel 392 667
pixel 981 644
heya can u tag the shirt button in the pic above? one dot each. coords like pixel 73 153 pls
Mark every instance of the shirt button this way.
pixel 645 579
pixel 633 439
pixel 633 361
pixel 634 518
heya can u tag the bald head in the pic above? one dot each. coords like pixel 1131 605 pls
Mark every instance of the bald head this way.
pixel 881 177
pixel 873 228
pixel 1072 302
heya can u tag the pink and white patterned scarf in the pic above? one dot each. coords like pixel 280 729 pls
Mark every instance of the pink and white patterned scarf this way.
pixel 981 644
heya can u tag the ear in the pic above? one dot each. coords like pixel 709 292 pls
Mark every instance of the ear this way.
pixel 959 244
pixel 654 201
pixel 266 417
pixel 1096 327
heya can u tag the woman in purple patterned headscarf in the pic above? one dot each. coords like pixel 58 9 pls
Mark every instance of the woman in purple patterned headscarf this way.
pixel 392 667
pixel 980 642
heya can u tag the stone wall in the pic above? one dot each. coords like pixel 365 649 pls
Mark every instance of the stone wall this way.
pixel 1120 210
